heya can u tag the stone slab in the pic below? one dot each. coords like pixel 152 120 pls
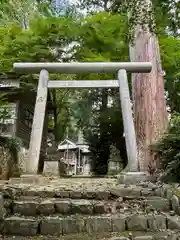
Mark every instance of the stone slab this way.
pixel 132 192
pixel 118 224
pixel 26 208
pixel 73 225
pixel 156 222
pixel 82 206
pixel 158 203
pixel 51 226
pixel 63 206
pixel 175 203
pixel 51 168
pixel 143 238
pixel 20 226
pixel 173 222
pixel 2 207
pixel 98 224
pixel 46 207
pixel 132 177
pixel 137 223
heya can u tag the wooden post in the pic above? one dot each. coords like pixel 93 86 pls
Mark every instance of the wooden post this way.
pixel 129 130
pixel 38 123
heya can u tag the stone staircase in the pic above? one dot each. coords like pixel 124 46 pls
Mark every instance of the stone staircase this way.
pixel 81 208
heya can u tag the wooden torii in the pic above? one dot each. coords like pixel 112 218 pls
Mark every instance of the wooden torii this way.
pixel 84 67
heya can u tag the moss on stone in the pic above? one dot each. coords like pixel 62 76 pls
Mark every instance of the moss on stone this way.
pixel 176 192
pixel 124 234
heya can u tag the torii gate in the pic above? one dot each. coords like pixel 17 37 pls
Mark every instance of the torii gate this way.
pixel 71 68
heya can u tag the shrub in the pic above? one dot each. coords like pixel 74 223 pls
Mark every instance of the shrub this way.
pixel 10 148
pixel 167 150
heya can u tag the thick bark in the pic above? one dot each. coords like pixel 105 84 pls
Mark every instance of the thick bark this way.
pixel 149 104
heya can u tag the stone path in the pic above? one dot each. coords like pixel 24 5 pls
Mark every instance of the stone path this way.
pixel 65 183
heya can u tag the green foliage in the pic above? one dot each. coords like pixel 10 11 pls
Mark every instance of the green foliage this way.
pixel 37 43
pixel 103 37
pixel 164 12
pixel 170 54
pixel 14 144
pixel 5 111
pixel 12 147
pixel 46 39
pixel 21 12
pixel 167 150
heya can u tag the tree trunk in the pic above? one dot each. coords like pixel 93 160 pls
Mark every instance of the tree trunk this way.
pixel 55 115
pixel 150 115
pixel 104 150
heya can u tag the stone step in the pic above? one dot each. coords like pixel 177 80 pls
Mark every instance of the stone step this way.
pixel 29 226
pixel 166 235
pixel 63 206
pixel 126 192
pixel 82 191
pixel 29 206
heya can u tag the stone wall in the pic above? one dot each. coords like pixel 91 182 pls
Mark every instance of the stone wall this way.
pixel 172 193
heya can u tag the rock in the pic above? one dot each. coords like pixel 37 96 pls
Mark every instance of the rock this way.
pixel 118 223
pixel 156 222
pixel 169 193
pixel 172 213
pixel 147 192
pixel 102 195
pixel 143 238
pixel 7 207
pixel 119 238
pixel 157 192
pixel 126 192
pixel 14 181
pixel 137 223
pixel 73 225
pixel 51 226
pixel 152 186
pixel 89 194
pixel 172 237
pixel 20 226
pixel 175 203
pixel 62 194
pixel 25 208
pixel 46 207
pixel 119 200
pixel 99 207
pixel 63 206
pixel 158 203
pixel 75 194
pixel 173 222
pixel 161 236
pixel 166 236
pixel 132 177
pixel 164 190
pixel 98 224
pixel 44 193
pixel 82 206
pixel 178 211
pixel 2 208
